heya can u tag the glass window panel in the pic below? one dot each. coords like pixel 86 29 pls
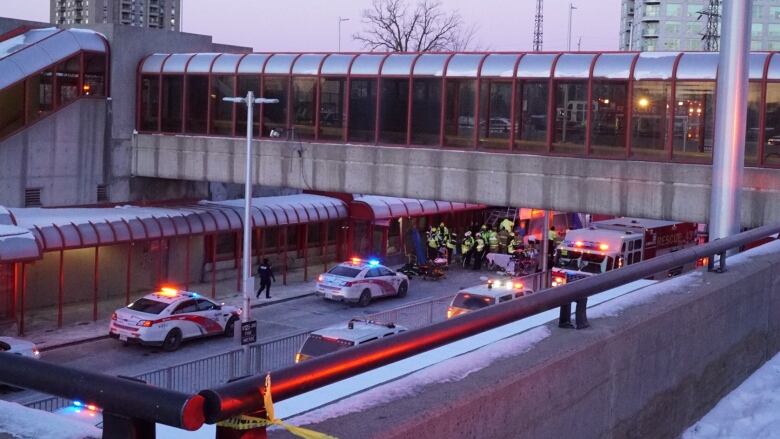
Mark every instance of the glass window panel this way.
pixel 698 66
pixel 337 64
pixel 367 65
pixel 648 128
pixel 308 64
pixel 752 126
pixel 279 64
pixel 153 63
pixel 332 99
pixel 94 75
pixel 613 66
pixel 197 103
pixel 756 62
pixel 12 103
pixel 464 65
pixel 68 80
pixel 673 9
pixel 532 99
pixel 226 63
pixel 426 111
pixel 201 63
pixel 459 112
pixel 362 109
pixel 150 89
pixel 430 65
pixel 757 30
pixel 772 130
pixel 571 111
pixel 275 115
pixel 773 30
pixel 221 111
pixel 535 66
pixel 248 83
pixel 608 123
pixel 176 63
pixel 498 65
pixel 694 121
pixel 573 66
pixel 397 64
pixel 304 107
pixel 252 63
pixel 40 95
pixel 172 94
pixel 654 66
pixel 495 119
pixel 393 116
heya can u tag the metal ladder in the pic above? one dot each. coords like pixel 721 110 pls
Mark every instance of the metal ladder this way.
pixel 497 215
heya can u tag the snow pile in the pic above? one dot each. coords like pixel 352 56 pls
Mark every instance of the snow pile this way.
pixel 30 217
pixel 451 370
pixel 752 410
pixel 25 423
pixel 679 284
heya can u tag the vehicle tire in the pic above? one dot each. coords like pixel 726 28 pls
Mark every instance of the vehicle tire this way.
pixel 365 298
pixel 172 341
pixel 229 327
pixel 402 289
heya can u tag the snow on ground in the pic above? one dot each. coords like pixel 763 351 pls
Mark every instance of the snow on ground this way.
pixel 25 423
pixel 678 284
pixel 752 410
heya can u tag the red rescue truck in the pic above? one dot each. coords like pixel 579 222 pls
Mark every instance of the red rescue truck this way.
pixel 610 244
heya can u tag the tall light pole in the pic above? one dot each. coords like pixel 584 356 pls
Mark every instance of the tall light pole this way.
pixel 341 20
pixel 568 34
pixel 248 285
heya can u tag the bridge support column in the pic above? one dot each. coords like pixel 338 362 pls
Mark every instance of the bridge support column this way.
pixel 729 150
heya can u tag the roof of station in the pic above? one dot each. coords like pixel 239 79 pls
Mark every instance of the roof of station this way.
pixel 602 65
pixel 28 53
pixel 386 208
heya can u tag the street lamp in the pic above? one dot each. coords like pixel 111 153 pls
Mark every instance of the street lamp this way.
pixel 568 35
pixel 340 21
pixel 249 281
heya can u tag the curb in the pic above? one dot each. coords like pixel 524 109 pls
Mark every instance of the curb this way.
pixel 286 299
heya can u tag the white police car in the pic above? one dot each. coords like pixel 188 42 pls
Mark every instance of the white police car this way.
pixel 81 412
pixel 169 316
pixel 360 281
pixel 19 347
pixel 487 294
pixel 342 336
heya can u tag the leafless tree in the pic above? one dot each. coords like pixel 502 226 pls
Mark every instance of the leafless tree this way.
pixel 397 26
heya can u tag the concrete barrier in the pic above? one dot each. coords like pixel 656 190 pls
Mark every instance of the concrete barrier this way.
pixel 648 372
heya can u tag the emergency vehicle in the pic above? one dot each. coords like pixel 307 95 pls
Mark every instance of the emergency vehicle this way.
pixel 343 336
pixel 610 244
pixel 359 281
pixel 487 294
pixel 169 316
pixel 23 348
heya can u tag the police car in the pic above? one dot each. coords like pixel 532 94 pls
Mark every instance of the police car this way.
pixel 81 412
pixel 361 281
pixel 169 316
pixel 19 347
pixel 343 336
pixel 481 296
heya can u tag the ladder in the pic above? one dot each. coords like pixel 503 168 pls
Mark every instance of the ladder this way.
pixel 497 215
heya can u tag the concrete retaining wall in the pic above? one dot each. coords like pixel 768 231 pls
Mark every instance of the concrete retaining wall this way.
pixel 650 372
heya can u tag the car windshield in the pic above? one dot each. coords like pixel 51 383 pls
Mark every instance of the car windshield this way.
pixel 340 270
pixel 148 306
pixel 317 345
pixel 472 301
pixel 592 263
pixel 567 259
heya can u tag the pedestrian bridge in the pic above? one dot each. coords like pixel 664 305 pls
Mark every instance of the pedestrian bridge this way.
pixel 676 191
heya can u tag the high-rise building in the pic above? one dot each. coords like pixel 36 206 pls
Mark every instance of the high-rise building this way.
pixel 658 25
pixel 158 14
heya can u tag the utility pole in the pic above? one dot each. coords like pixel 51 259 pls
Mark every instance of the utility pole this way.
pixel 710 36
pixel 341 20
pixel 568 34
pixel 538 22
pixel 579 44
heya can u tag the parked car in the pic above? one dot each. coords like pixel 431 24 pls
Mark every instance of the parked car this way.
pixel 360 282
pixel 342 336
pixel 19 347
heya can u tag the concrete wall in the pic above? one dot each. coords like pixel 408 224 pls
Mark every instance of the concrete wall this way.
pixel 59 154
pixel 650 372
pixel 614 187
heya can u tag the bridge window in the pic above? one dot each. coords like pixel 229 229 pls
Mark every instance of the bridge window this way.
pixel 197 103
pixel 221 111
pixel 248 83
pixel 426 111
pixel 772 130
pixel 752 123
pixel 608 123
pixel 332 99
pixel 275 115
pixel 304 106
pixel 68 80
pixel 150 95
pixel 12 103
pixel 694 121
pixel 395 99
pixel 94 75
pixel 172 95
pixel 495 119
pixel 571 112
pixel 648 131
pixel 532 114
pixel 40 95
pixel 459 112
pixel 362 110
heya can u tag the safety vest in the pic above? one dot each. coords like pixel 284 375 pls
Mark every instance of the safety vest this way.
pixel 443 234
pixel 492 239
pixel 507 225
pixel 432 241
pixel 512 245
pixel 503 237
pixel 466 245
pixel 552 235
pixel 480 244
pixel 452 243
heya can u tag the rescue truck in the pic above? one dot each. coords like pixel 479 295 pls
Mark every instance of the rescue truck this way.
pixel 610 244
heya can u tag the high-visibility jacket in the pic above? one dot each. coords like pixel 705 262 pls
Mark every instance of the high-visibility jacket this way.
pixel 467 244
pixel 452 243
pixel 492 240
pixel 480 244
pixel 552 235
pixel 513 244
pixel 503 237
pixel 432 241
pixel 443 233
pixel 507 225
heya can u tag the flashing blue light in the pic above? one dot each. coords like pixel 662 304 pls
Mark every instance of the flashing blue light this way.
pixel 373 262
pixel 78 403
pixel 195 295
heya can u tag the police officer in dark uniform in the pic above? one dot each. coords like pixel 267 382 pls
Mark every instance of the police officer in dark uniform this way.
pixel 265 273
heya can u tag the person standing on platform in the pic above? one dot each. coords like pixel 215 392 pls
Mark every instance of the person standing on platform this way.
pixel 266 275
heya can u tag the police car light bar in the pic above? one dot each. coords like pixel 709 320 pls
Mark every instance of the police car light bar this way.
pixel 373 262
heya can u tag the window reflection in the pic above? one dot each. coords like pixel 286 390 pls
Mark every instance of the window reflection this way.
pixel 571 112
pixel 332 99
pixel 648 130
pixel 426 111
pixel 150 89
pixel 197 103
pixel 752 123
pixel 532 113
pixel 772 130
pixel 172 94
pixel 221 111
pixel 694 121
pixel 94 75
pixel 40 95
pixel 495 119
pixel 68 80
pixel 12 103
pixel 362 110
pixel 304 106
pixel 608 126
pixel 395 98
pixel 459 113
pixel 275 115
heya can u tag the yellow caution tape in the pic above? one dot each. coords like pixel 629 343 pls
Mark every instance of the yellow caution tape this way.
pixel 244 422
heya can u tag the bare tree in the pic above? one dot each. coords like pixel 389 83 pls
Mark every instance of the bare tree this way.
pixel 394 25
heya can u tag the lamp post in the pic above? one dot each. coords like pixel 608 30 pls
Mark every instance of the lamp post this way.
pixel 248 284
pixel 341 20
pixel 568 35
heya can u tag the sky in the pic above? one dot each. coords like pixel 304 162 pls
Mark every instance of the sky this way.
pixel 312 25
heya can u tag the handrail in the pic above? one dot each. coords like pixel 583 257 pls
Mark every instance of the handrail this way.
pixel 245 395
